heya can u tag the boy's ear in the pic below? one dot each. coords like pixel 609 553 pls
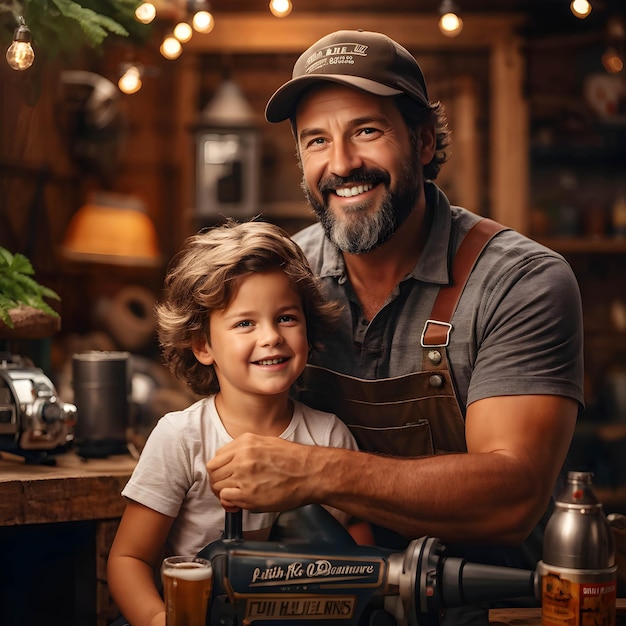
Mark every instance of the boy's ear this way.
pixel 202 351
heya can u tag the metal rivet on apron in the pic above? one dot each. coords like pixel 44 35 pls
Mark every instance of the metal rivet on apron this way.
pixel 436 381
pixel 434 356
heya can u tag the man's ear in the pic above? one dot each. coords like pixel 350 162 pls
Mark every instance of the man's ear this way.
pixel 427 143
pixel 202 351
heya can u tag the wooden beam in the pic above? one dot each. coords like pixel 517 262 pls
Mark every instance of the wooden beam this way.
pixel 509 136
pixel 261 33
pixel 186 98
pixel 466 143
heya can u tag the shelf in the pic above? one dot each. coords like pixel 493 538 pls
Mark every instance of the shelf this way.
pixel 585 245
pixel 288 210
pixel 277 210
pixel 565 156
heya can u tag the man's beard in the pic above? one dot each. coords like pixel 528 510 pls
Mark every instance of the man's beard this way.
pixel 358 230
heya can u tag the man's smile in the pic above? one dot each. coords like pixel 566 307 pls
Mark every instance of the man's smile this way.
pixel 348 192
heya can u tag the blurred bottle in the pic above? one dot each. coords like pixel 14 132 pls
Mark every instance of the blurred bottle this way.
pixel 578 571
pixel 568 212
pixel 618 214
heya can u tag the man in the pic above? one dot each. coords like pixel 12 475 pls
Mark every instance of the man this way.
pixel 464 399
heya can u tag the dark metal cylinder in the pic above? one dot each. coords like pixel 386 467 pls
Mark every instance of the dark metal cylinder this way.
pixel 102 386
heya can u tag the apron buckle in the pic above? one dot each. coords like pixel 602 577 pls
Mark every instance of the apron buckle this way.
pixel 438 334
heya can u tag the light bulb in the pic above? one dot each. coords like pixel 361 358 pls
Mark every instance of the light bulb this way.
pixel 130 81
pixel 183 32
pixel 20 55
pixel 612 61
pixel 145 12
pixel 203 22
pixel 280 8
pixel 615 28
pixel 450 24
pixel 171 48
pixel 580 8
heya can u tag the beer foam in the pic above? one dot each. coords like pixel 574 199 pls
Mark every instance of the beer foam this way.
pixel 188 571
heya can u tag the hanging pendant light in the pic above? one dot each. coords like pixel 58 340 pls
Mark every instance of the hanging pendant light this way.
pixel 450 24
pixel 20 55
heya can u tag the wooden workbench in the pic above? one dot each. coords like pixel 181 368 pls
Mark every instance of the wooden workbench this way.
pixel 76 490
pixel 72 490
pixel 532 617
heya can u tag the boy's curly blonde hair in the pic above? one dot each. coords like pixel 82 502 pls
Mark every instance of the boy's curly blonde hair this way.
pixel 204 277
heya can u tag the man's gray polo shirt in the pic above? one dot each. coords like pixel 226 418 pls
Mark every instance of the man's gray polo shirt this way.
pixel 517 329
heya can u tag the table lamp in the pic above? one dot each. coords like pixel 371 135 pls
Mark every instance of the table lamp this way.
pixel 112 228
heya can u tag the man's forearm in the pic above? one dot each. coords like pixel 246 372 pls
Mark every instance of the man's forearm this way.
pixel 469 497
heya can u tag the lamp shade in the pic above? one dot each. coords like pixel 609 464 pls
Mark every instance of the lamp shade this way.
pixel 112 228
pixel 229 108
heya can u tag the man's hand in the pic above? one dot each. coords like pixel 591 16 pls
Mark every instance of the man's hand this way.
pixel 261 474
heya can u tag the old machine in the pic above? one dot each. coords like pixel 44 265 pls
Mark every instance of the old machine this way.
pixel 311 571
pixel 34 422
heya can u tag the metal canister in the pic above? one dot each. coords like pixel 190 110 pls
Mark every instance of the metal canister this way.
pixel 578 570
pixel 102 386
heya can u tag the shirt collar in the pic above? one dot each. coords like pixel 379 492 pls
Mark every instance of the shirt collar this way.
pixel 433 264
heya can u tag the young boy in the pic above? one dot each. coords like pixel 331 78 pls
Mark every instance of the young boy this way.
pixel 240 313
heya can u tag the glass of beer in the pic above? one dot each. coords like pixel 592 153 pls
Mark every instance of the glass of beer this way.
pixel 187 582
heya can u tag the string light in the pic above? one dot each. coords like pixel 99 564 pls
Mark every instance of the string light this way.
pixel 612 62
pixel 450 24
pixel 130 81
pixel 203 22
pixel 145 12
pixel 171 48
pixel 183 32
pixel 580 8
pixel 280 8
pixel 613 57
pixel 20 55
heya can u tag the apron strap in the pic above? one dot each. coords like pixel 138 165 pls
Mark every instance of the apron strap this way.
pixel 436 331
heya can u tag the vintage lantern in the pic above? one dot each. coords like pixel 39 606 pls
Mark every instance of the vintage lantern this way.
pixel 227 157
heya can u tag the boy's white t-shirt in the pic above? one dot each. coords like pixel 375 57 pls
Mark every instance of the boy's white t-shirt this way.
pixel 171 476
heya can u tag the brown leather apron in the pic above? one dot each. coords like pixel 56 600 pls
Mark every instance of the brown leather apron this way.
pixel 417 414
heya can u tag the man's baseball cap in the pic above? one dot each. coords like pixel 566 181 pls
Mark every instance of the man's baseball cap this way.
pixel 369 61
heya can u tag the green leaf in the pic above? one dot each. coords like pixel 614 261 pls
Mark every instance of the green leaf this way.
pixel 11 288
pixel 6 302
pixel 5 317
pixel 6 258
pixel 18 287
pixel 49 293
pixel 26 282
pixel 21 264
pixel 95 26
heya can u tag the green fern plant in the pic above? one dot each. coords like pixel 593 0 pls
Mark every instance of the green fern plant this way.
pixel 18 287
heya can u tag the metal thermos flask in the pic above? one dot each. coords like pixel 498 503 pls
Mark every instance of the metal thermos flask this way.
pixel 578 570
